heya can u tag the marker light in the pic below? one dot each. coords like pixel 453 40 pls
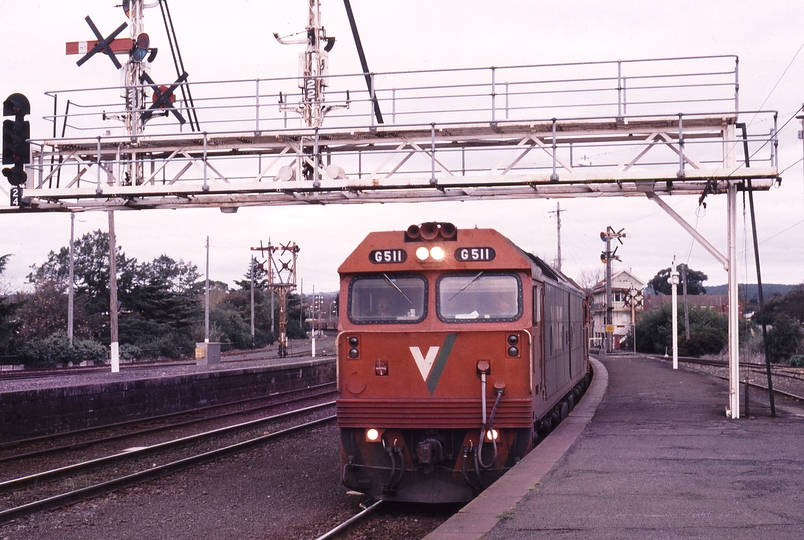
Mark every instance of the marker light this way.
pixel 492 434
pixel 422 253
pixel 437 253
pixel 141 48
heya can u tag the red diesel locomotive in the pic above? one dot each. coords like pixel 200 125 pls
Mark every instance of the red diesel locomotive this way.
pixel 457 352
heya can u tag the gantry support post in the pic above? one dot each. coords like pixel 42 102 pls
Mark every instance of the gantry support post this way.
pixel 733 410
pixel 728 262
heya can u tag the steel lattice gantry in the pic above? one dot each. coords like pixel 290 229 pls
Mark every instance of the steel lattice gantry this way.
pixel 393 164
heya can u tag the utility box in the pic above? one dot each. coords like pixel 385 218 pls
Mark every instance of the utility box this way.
pixel 207 353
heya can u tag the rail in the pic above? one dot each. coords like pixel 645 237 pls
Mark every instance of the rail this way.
pixel 614 89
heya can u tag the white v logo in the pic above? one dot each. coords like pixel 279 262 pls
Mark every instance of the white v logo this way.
pixel 425 364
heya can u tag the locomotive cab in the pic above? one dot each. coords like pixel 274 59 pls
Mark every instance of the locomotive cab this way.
pixel 441 378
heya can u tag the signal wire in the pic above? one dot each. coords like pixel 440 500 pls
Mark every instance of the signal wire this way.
pixel 179 64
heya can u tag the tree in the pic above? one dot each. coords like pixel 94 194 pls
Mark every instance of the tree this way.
pixel 260 277
pixel 91 277
pixel 44 312
pixel 660 282
pixel 590 278
pixel 791 305
pixel 709 331
pixel 9 323
pixel 230 316
pixel 783 338
pixel 161 311
pixel 160 308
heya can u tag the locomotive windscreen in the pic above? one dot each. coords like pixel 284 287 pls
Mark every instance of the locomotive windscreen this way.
pixel 387 299
pixel 481 296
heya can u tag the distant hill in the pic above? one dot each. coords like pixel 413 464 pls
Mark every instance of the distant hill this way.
pixel 750 291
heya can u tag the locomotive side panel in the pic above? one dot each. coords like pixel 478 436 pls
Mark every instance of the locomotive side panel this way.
pixel 578 335
pixel 556 357
pixel 565 354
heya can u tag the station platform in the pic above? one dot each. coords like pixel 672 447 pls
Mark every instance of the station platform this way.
pixel 69 400
pixel 649 453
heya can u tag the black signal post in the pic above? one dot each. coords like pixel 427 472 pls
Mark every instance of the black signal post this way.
pixel 16 148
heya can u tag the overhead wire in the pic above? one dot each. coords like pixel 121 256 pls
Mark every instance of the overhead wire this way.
pixel 779 80
pixel 773 136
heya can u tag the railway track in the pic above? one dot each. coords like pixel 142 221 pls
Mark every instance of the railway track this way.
pixel 234 359
pixel 787 381
pixel 340 530
pixel 82 438
pixel 88 478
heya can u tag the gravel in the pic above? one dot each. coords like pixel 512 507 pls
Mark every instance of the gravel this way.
pixel 288 489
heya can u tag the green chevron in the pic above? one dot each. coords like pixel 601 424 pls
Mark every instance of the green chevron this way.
pixel 441 361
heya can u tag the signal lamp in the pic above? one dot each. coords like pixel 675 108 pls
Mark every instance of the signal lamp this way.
pixel 353 341
pixel 16 148
pixel 513 351
pixel 513 339
pixel 141 47
pixel 354 353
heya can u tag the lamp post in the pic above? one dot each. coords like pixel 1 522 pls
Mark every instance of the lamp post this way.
pixel 674 283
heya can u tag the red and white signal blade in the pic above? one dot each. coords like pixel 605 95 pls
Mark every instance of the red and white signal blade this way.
pixel 118 46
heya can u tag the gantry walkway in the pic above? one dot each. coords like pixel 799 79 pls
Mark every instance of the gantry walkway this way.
pixel 662 127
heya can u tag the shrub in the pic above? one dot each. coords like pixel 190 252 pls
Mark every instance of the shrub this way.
pixel 783 338
pixel 797 361
pixel 55 349
pixel 708 331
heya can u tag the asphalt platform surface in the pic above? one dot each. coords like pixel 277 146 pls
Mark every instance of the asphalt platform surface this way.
pixel 649 453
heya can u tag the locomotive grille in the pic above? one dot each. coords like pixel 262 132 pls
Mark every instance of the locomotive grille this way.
pixel 432 413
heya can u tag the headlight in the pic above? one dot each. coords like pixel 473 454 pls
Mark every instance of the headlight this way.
pixel 373 435
pixel 437 253
pixel 492 435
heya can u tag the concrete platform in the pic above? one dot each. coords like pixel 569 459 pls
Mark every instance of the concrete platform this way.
pixel 62 402
pixel 654 456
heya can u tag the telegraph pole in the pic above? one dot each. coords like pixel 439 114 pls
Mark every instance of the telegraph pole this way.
pixel 251 274
pixel 686 306
pixel 113 328
pixel 557 212
pixel 674 284
pixel 71 284
pixel 206 298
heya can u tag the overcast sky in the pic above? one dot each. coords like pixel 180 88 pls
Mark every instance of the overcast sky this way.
pixel 233 40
